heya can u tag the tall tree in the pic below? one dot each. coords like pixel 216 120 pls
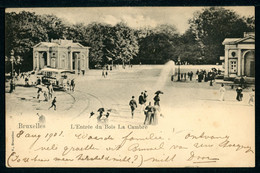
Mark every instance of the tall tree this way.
pixel 123 43
pixel 212 25
pixel 159 46
pixel 23 31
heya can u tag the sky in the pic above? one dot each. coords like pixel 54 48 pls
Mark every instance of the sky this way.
pixel 135 17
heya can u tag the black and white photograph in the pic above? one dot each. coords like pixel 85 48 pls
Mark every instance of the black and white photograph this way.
pixel 130 86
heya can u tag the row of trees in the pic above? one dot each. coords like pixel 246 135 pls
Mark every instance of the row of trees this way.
pixel 201 43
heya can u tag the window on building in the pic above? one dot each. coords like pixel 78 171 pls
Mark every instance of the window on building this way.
pixel 233 66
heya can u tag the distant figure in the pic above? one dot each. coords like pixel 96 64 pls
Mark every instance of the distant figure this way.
pixel 11 86
pixel 156 100
pixel 100 114
pixel 141 101
pixel 145 96
pixel 103 73
pixel 83 72
pixel 72 84
pixel 65 82
pixel 133 106
pixel 148 112
pixel 91 114
pixel 53 103
pixel 38 81
pixel 154 115
pixel 239 93
pixel 41 118
pixel 26 81
pixel 50 88
pixel 106 73
pixel 191 74
pixel 251 97
pixel 222 91
pixel 39 92
pixel 242 82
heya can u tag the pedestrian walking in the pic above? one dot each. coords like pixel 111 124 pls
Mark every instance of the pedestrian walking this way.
pixel 53 103
pixel 145 97
pixel 251 97
pixel 39 91
pixel 103 73
pixel 191 75
pixel 148 112
pixel 72 84
pixel 50 88
pixel 12 86
pixel 239 93
pixel 222 91
pixel 132 105
pixel 242 82
pixel 141 101
pixel 157 100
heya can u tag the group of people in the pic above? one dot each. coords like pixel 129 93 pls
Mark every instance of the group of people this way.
pixel 45 90
pixel 68 84
pixel 150 112
pixel 239 95
pixel 206 76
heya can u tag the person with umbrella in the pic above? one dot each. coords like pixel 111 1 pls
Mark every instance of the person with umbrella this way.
pixel 100 110
pixel 157 98
pixel 133 105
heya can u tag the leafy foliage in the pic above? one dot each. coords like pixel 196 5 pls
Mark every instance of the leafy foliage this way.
pixel 213 25
pixel 202 43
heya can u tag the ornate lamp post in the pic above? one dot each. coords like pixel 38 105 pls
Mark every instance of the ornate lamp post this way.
pixel 179 70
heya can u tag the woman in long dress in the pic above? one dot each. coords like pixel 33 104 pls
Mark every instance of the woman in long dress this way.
pixel 222 91
pixel 154 115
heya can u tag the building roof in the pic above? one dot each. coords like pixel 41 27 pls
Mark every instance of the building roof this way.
pixel 60 43
pixel 249 38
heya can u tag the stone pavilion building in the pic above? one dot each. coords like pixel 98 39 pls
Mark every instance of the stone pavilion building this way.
pixel 61 54
pixel 240 56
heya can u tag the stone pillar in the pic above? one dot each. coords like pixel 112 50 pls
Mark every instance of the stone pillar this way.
pixel 37 61
pixel 76 61
pixel 226 62
pixel 243 64
pixel 239 62
pixel 71 60
pixel 48 57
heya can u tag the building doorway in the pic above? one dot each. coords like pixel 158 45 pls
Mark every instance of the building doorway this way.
pixel 250 64
pixel 43 60
pixel 75 59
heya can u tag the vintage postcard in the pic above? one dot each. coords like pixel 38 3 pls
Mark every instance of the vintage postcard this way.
pixel 130 87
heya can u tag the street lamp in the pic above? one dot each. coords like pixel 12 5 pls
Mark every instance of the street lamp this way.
pixel 179 70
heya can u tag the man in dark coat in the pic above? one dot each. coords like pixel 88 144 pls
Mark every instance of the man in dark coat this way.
pixel 53 103
pixel 145 96
pixel 141 101
pixel 133 105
